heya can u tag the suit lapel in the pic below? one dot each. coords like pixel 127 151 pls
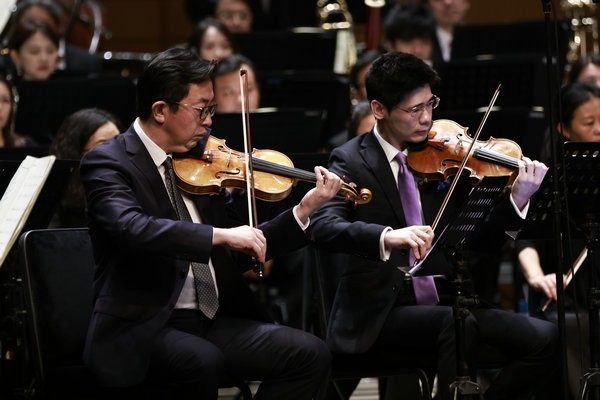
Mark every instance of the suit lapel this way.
pixel 148 172
pixel 376 159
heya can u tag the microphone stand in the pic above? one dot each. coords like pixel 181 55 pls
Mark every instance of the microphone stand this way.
pixel 556 221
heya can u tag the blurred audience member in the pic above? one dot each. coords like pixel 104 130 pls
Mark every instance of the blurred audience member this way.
pixel 211 40
pixel 72 60
pixel 78 133
pixel 34 50
pixel 586 69
pixel 237 15
pixel 410 28
pixel 9 138
pixel 447 14
pixel 227 84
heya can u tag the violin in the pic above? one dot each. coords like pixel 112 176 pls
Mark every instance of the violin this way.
pixel 447 144
pixel 273 173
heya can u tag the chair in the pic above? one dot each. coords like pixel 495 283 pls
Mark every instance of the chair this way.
pixel 57 266
pixel 351 366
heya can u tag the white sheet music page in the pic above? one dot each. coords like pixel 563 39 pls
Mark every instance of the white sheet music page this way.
pixel 19 198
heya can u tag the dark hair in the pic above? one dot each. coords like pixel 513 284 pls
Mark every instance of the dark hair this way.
pixel 26 29
pixel 363 60
pixel 360 111
pixel 200 29
pixel 50 6
pixel 168 76
pixel 233 63
pixel 394 75
pixel 75 131
pixel 572 96
pixel 68 144
pixel 8 129
pixel 580 64
pixel 409 21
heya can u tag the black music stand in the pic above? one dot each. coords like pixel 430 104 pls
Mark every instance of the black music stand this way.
pixel 456 244
pixel 582 172
pixel 15 371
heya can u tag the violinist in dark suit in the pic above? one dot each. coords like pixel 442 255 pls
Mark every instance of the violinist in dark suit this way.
pixel 375 309
pixel 150 321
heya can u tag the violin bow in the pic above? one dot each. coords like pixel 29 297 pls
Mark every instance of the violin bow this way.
pixel 465 159
pixel 571 273
pixel 250 197
pixel 419 262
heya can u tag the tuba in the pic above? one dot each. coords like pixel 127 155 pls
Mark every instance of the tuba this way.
pixel 584 25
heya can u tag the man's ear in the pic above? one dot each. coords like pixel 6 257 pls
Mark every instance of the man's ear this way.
pixel 377 109
pixel 159 109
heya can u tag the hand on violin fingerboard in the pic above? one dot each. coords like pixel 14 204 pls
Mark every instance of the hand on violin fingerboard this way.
pixel 327 186
pixel 528 181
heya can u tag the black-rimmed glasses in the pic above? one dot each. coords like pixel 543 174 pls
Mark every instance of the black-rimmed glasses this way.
pixel 415 111
pixel 203 112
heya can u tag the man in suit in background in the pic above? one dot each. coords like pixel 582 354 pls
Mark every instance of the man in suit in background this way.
pixel 447 14
pixel 151 322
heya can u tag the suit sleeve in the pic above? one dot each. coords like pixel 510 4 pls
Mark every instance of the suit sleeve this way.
pixel 122 203
pixel 338 226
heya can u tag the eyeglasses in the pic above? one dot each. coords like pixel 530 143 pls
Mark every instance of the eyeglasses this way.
pixel 415 111
pixel 203 112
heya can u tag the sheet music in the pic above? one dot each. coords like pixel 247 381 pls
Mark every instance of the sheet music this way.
pixel 19 198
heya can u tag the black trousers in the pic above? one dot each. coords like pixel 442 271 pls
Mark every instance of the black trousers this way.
pixel 196 353
pixel 525 349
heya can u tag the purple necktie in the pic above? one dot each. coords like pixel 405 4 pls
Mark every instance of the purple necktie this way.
pixel 424 286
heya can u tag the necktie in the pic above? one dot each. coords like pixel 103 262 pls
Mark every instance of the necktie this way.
pixel 424 286
pixel 203 280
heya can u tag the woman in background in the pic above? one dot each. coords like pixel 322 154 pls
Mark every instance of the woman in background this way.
pixel 9 138
pixel 78 133
pixel 580 122
pixel 34 50
pixel 211 40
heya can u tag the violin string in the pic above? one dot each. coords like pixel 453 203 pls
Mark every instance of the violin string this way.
pixel 284 170
pixel 498 158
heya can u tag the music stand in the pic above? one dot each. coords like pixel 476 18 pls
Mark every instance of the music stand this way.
pixel 582 171
pixel 456 244
pixel 12 307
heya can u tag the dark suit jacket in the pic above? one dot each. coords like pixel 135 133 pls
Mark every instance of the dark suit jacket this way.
pixel 143 252
pixel 369 287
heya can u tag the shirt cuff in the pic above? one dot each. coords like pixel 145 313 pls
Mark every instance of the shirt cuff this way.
pixel 384 253
pixel 303 226
pixel 523 213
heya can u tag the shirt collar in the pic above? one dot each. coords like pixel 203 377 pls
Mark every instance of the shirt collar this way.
pixel 158 155
pixel 389 150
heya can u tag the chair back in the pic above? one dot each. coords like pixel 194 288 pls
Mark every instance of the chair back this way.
pixel 57 266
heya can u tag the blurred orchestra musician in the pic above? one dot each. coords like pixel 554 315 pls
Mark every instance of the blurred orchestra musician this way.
pixel 227 84
pixel 72 60
pixel 211 39
pixel 447 14
pixel 580 122
pixel 410 28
